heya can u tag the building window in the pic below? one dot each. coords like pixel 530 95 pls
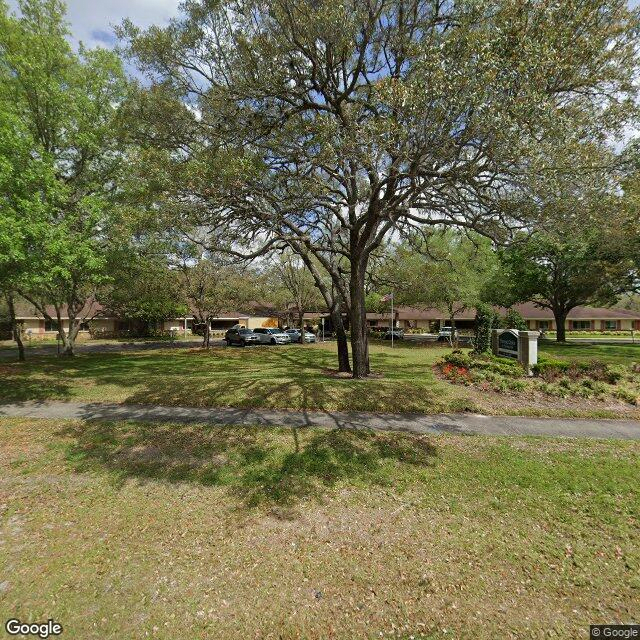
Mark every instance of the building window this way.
pixel 543 324
pixel 610 325
pixel 581 325
pixel 84 326
pixel 50 325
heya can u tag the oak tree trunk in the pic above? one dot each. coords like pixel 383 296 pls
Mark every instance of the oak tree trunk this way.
pixel 16 330
pixel 561 319
pixel 344 366
pixel 358 315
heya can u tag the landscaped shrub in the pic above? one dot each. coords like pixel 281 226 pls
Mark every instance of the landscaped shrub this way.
pixel 550 369
pixel 517 385
pixel 503 366
pixel 456 374
pixel 558 378
pixel 628 395
pixel 458 359
pixel 486 320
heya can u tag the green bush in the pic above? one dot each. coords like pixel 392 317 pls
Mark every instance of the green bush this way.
pixel 549 369
pixel 458 359
pixel 627 395
pixel 517 385
pixel 486 320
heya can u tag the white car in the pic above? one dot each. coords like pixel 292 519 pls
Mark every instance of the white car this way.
pixel 295 336
pixel 272 336
pixel 445 334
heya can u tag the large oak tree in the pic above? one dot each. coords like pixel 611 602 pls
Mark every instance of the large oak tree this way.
pixel 328 124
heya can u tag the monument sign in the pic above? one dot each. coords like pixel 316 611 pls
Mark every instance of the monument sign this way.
pixel 519 345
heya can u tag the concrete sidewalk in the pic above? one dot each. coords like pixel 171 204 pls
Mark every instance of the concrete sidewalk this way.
pixel 430 424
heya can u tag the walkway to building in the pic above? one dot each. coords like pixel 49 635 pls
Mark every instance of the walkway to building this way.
pixel 468 424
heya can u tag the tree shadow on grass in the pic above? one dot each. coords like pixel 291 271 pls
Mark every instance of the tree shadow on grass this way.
pixel 270 377
pixel 18 384
pixel 261 467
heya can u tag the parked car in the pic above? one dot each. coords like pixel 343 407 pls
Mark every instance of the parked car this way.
pixel 243 337
pixel 295 336
pixel 445 334
pixel 272 336
pixel 398 334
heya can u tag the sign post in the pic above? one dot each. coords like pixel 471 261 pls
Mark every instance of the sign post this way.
pixel 519 345
pixel 322 323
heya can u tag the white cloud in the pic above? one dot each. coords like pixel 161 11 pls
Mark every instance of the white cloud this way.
pixel 92 21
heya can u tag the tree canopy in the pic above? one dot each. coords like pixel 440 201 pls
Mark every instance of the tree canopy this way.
pixel 329 124
pixel 66 106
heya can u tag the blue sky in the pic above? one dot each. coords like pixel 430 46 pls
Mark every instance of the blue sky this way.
pixel 92 20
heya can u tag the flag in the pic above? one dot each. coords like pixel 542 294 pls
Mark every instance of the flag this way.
pixel 387 298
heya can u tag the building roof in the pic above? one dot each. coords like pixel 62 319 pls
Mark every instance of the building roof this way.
pixel 531 311
pixel 528 310
pixel 26 311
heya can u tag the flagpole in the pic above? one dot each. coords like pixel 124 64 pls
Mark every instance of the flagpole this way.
pixel 392 322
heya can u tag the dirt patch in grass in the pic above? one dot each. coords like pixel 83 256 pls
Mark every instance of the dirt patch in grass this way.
pixel 538 404
pixel 125 531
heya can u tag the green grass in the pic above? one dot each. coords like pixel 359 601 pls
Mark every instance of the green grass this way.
pixel 122 530
pixel 625 354
pixel 619 335
pixel 278 377
pixel 84 339
pixel 286 377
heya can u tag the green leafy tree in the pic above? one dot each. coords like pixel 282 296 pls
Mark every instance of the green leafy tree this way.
pixel 447 271
pixel 580 260
pixel 67 105
pixel 26 182
pixel 513 320
pixel 212 286
pixel 293 287
pixel 143 289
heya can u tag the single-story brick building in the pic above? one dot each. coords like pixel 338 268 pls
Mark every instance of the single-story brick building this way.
pixel 100 321
pixel 537 319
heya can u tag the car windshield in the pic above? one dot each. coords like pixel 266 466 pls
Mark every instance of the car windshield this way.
pixel 245 331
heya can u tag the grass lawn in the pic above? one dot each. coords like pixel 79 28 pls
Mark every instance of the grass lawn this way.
pixel 292 376
pixel 84 339
pixel 621 335
pixel 122 530
pixel 625 354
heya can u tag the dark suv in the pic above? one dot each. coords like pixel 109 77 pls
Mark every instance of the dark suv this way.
pixel 243 337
